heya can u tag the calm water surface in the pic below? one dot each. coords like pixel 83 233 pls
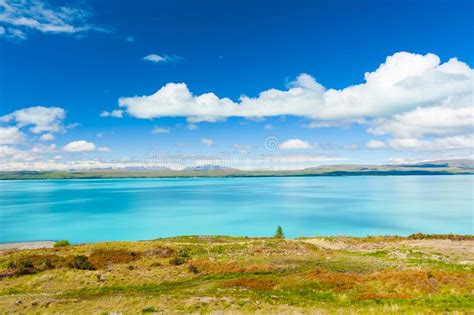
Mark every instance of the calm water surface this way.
pixel 132 209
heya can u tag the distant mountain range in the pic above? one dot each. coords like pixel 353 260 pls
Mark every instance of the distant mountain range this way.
pixel 438 167
pixel 209 167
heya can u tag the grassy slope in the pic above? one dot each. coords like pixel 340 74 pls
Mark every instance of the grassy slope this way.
pixel 384 274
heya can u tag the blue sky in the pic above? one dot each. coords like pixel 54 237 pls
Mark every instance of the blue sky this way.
pixel 332 82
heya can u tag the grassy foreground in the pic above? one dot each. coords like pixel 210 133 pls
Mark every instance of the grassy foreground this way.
pixel 201 274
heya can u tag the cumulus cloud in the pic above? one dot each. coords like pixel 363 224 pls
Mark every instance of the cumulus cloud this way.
pixel 161 59
pixel 41 118
pixel 11 153
pixel 405 81
pixel 295 144
pixel 117 113
pixel 11 135
pixel 447 119
pixel 79 146
pixel 36 15
pixel 159 130
pixel 445 143
pixel 208 142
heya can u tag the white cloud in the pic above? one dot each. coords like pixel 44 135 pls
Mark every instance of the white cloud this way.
pixel 15 34
pixel 161 59
pixel 104 149
pixel 295 144
pixel 208 142
pixel 404 82
pixel 42 118
pixel 446 119
pixel 375 144
pixel 192 126
pixel 41 148
pixel 117 113
pixel 36 15
pixel 47 137
pixel 11 135
pixel 160 130
pixel 268 127
pixel 458 142
pixel 79 146
pixel 8 152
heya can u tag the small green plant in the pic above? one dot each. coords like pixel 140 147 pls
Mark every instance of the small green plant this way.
pixel 149 310
pixel 82 263
pixel 279 233
pixel 61 243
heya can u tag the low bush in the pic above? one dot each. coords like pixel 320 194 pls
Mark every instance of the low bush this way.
pixel 35 263
pixel 104 257
pixel 176 261
pixel 452 237
pixel 61 243
pixel 82 263
pixel 193 269
pixel 161 252
pixel 22 267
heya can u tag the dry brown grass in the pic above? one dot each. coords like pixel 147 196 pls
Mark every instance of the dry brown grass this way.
pixel 103 258
pixel 250 283
pixel 452 237
pixel 219 267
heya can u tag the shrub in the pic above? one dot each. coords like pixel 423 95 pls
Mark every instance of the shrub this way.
pixel 176 261
pixel 279 233
pixel 82 263
pixel 161 252
pixel 104 257
pixel 192 268
pixel 22 267
pixel 61 243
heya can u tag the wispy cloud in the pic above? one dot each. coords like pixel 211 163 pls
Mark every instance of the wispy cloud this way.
pixel 21 17
pixel 160 130
pixel 162 58
pixel 207 142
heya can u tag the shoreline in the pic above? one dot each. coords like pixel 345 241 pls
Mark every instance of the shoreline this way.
pixel 7 176
pixel 26 245
pixel 21 245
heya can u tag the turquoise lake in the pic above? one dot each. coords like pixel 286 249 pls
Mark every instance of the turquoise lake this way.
pixel 135 209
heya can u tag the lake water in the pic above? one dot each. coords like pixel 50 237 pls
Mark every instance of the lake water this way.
pixel 133 209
